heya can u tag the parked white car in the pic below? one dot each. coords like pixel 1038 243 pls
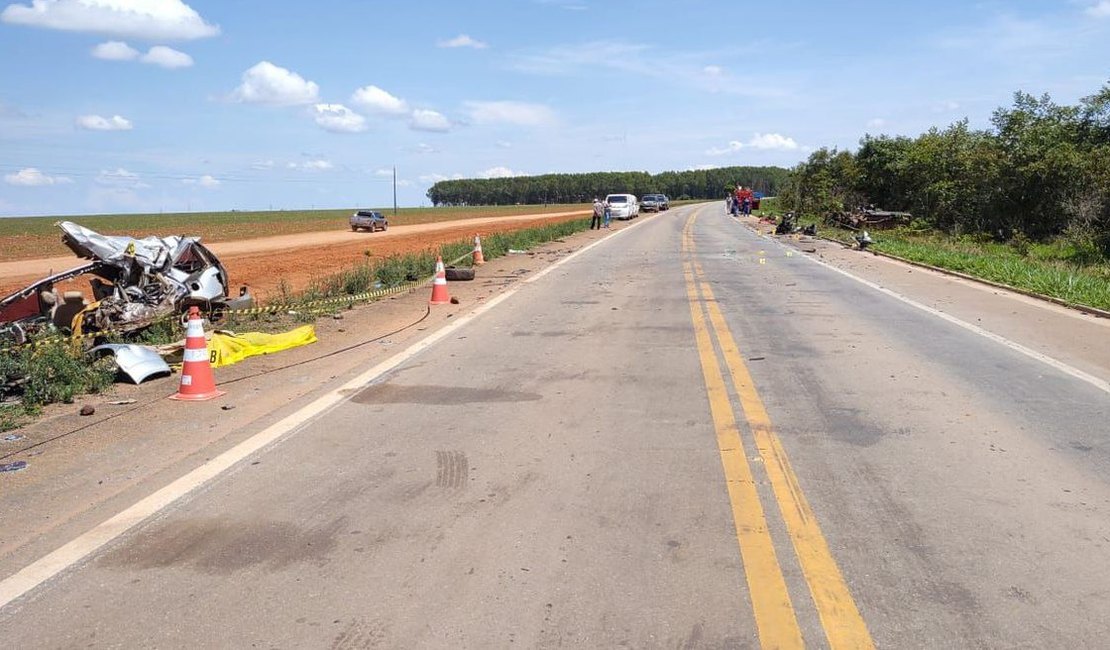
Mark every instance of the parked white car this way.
pixel 623 206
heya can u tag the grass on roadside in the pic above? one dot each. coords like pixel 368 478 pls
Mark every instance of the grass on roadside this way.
pixel 1087 284
pixel 1058 269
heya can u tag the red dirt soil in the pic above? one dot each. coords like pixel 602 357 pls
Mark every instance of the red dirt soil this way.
pixel 263 263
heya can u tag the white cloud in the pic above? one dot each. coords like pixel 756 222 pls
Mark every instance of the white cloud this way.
pixel 664 64
pixel 948 106
pixel 504 144
pixel 32 177
pixel 876 123
pixel 98 123
pixel 518 113
pixel 732 147
pixel 1100 9
pixel 318 165
pixel 762 141
pixel 206 181
pixel 262 164
pixel 499 172
pixel 115 51
pixel 428 120
pixel 142 19
pixel 167 57
pixel 266 83
pixel 569 5
pixel 337 118
pixel 379 101
pixel 383 172
pixel 462 40
pixel 431 179
pixel 120 177
pixel 772 141
pixel 424 147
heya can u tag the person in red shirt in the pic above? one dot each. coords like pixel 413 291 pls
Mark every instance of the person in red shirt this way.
pixel 746 198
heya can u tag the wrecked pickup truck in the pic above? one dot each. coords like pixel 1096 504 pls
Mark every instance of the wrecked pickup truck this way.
pixel 134 283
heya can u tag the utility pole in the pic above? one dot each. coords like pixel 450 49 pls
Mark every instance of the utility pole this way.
pixel 395 190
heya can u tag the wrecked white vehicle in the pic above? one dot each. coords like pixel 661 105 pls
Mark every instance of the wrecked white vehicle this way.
pixel 135 283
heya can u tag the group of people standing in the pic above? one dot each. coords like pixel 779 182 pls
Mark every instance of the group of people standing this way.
pixel 740 201
pixel 601 211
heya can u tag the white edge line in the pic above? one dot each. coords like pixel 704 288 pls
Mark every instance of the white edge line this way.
pixel 1098 383
pixel 90 541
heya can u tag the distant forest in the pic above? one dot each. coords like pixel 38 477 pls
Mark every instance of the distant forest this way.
pixel 578 188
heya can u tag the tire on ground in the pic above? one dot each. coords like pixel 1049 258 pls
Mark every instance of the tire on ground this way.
pixel 456 274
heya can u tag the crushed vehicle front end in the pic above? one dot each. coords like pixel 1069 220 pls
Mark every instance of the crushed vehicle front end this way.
pixel 134 282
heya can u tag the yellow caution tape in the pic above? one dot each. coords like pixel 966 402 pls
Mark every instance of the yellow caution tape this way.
pixel 309 307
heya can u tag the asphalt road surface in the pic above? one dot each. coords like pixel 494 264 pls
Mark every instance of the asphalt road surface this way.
pixel 687 436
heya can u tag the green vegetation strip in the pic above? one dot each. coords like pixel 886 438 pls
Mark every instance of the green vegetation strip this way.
pixel 54 369
pixel 1082 285
pixel 1039 271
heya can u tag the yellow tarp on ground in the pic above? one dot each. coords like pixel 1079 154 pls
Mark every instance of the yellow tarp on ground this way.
pixel 226 348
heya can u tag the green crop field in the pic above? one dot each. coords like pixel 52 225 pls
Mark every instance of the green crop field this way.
pixel 31 237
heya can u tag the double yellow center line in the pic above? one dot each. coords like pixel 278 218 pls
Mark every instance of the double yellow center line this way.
pixel 776 622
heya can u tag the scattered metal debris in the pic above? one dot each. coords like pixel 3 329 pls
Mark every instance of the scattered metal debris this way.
pixel 13 467
pixel 134 282
pixel 138 362
pixel 13 437
pixel 868 217
pixel 122 402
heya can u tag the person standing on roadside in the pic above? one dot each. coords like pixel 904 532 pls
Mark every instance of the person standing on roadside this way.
pixel 736 199
pixel 746 200
pixel 599 211
pixel 608 212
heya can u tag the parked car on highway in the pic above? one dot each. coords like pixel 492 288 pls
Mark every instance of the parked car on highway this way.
pixel 655 203
pixel 368 220
pixel 623 206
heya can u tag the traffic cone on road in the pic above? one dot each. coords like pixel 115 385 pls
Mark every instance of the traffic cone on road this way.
pixel 439 285
pixel 478 257
pixel 197 381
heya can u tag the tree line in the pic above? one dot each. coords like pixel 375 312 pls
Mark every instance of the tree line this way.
pixel 578 188
pixel 1040 171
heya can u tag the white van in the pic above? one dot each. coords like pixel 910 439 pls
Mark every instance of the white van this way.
pixel 623 206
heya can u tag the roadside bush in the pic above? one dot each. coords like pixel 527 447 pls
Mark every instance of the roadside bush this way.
pixel 47 374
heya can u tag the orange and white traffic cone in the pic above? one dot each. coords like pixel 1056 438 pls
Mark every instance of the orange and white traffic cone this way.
pixel 439 285
pixel 197 381
pixel 478 257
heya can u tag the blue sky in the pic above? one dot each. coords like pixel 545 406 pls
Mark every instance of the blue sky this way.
pixel 169 105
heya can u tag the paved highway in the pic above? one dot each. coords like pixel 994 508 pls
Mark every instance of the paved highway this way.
pixel 687 435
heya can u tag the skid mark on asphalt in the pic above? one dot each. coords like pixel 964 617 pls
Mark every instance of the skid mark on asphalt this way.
pixel 358 635
pixel 224 546
pixel 452 469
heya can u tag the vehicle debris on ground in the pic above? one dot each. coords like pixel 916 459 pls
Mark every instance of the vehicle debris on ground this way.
pixel 137 362
pixel 134 283
pixel 868 217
